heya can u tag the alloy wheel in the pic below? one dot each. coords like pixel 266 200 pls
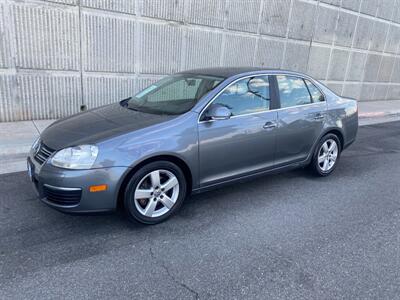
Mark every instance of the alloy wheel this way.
pixel 156 193
pixel 327 155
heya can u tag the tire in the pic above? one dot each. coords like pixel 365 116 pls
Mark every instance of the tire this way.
pixel 321 163
pixel 149 200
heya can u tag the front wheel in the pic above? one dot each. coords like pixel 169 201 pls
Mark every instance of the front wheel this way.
pixel 155 192
pixel 326 155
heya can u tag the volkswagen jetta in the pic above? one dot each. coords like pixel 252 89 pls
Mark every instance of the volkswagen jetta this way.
pixel 187 133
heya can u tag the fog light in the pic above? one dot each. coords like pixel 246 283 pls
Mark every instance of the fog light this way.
pixel 98 188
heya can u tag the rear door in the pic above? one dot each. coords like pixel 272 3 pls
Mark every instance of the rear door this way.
pixel 301 118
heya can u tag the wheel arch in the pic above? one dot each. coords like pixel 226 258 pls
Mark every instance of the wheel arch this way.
pixel 165 157
pixel 338 133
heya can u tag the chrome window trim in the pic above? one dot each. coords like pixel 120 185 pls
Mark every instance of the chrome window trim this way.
pixel 259 112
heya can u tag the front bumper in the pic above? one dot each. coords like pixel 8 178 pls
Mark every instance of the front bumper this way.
pixel 68 190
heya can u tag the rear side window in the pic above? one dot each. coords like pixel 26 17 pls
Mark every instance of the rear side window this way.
pixel 316 95
pixel 292 91
pixel 246 96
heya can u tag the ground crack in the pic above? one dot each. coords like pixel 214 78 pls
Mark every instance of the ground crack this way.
pixel 181 284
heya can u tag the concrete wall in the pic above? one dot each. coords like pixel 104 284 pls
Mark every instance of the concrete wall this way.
pixel 57 55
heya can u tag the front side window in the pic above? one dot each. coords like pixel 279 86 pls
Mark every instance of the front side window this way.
pixel 172 95
pixel 316 95
pixel 292 91
pixel 246 96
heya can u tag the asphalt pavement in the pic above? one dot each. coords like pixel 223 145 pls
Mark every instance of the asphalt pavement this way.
pixel 287 236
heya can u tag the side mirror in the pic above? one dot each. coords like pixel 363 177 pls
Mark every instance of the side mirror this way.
pixel 218 112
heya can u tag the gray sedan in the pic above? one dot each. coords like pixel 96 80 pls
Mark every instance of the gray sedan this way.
pixel 188 133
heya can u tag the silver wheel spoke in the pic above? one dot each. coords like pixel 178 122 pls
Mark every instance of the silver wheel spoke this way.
pixel 326 164
pixel 167 201
pixel 326 148
pixel 155 178
pixel 170 184
pixel 321 159
pixel 151 206
pixel 143 194
pixel 332 147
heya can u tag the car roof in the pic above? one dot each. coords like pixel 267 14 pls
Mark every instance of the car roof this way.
pixel 227 72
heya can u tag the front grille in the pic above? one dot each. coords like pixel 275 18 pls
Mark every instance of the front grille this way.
pixel 43 153
pixel 62 196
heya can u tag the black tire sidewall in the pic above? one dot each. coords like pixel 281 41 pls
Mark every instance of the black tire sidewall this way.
pixel 315 166
pixel 129 204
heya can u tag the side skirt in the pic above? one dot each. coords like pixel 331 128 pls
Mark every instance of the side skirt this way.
pixel 249 177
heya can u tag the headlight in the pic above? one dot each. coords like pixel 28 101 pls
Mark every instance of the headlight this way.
pixel 79 157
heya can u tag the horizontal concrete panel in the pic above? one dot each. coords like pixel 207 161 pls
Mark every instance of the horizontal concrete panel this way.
pixel 302 20
pixel 396 13
pixel 379 36
pixel 372 67
pixel 46 37
pixel 123 6
pixel 356 66
pixel 163 9
pixel 69 2
pixel 160 48
pixel 332 2
pixel 385 9
pixel 48 96
pixel 352 90
pixel 393 92
pixel 338 64
pixel 318 62
pixel 385 69
pixel 326 24
pixel 367 92
pixel 370 7
pixel 380 92
pixel 346 28
pixel 100 90
pixel 274 19
pixel 203 49
pixel 205 12
pixel 269 53
pixel 296 57
pixel 4 43
pixel 10 110
pixel 396 71
pixel 243 15
pixel 108 43
pixel 393 40
pixel 364 32
pixel 351 4
pixel 239 50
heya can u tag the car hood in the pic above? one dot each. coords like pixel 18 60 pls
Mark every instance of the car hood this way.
pixel 96 125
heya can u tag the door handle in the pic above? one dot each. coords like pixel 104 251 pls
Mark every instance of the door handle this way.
pixel 319 116
pixel 269 125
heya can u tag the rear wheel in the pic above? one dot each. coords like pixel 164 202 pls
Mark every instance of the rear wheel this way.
pixel 326 156
pixel 155 192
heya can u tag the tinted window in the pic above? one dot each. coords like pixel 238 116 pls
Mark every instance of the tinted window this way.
pixel 314 91
pixel 292 91
pixel 246 96
pixel 174 94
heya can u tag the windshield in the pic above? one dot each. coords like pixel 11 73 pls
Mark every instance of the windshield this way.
pixel 173 95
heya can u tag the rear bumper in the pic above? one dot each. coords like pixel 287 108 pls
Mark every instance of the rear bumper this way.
pixel 68 190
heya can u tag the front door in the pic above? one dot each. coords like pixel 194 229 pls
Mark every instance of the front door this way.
pixel 244 143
